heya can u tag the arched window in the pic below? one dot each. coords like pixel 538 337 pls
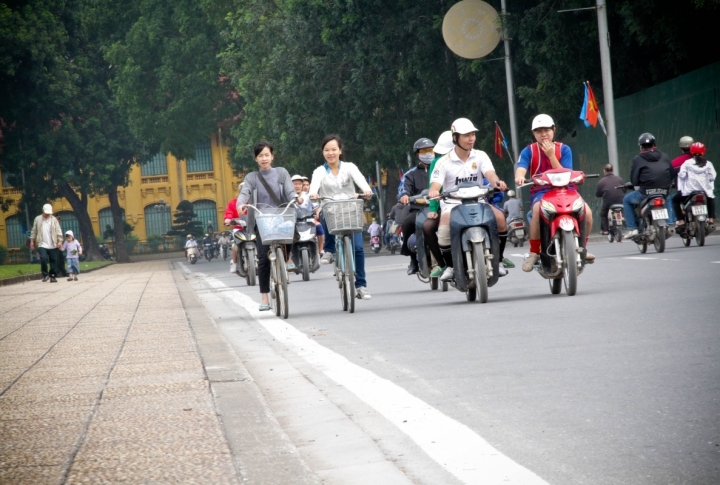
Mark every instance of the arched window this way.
pixel 206 210
pixel 15 230
pixel 105 219
pixel 157 165
pixel 202 162
pixel 156 222
pixel 68 222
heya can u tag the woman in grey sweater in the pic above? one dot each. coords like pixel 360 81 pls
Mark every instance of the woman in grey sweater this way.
pixel 253 191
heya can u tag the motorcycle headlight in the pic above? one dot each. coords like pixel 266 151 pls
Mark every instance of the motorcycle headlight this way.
pixel 560 179
pixel 547 208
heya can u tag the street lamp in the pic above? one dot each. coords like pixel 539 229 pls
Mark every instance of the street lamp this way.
pixel 162 206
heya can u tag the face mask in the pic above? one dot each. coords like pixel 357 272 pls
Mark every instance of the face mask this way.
pixel 426 159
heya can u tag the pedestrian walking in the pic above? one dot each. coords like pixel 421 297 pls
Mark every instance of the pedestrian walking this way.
pixel 73 250
pixel 47 236
pixel 61 263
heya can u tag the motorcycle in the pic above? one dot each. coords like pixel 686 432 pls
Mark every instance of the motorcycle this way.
pixel 416 243
pixel 375 244
pixel 475 245
pixel 652 215
pixel 562 229
pixel 216 249
pixel 305 249
pixel 397 239
pixel 208 251
pixel 517 232
pixel 696 216
pixel 105 252
pixel 225 251
pixel 192 254
pixel 244 239
pixel 616 221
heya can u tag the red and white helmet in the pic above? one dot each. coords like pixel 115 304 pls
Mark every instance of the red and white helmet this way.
pixel 697 148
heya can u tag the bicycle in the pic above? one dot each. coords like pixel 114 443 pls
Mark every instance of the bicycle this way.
pixel 277 228
pixel 344 217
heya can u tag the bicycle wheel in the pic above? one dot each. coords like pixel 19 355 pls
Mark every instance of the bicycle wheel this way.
pixel 281 290
pixel 349 275
pixel 339 273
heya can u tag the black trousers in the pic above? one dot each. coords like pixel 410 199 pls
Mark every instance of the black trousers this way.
pixel 604 223
pixel 263 266
pixel 679 200
pixel 48 261
pixel 61 265
pixel 408 229
pixel 430 227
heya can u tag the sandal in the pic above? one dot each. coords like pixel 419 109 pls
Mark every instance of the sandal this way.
pixel 264 308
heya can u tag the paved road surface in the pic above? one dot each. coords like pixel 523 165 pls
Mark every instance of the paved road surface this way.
pixel 616 385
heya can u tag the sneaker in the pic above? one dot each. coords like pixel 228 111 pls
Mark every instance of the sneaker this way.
pixel 362 293
pixel 327 258
pixel 53 280
pixel 630 233
pixel 530 261
pixel 233 268
pixel 502 271
pixel 74 277
pixel 589 257
pixel 70 278
pixel 448 274
pixel 45 278
pixel 507 263
pixel 437 272
pixel 413 268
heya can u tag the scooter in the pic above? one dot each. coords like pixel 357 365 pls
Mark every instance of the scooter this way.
pixel 616 221
pixel 426 262
pixel 192 254
pixel 562 229
pixel 475 245
pixel 375 244
pixel 208 252
pixel 517 232
pixel 225 251
pixel 652 215
pixel 696 225
pixel 396 239
pixel 305 249
pixel 244 239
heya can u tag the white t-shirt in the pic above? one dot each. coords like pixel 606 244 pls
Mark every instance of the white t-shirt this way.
pixel 48 242
pixel 191 243
pixel 450 170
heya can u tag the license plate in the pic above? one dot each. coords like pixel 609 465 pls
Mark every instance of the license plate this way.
pixel 659 214
pixel 520 233
pixel 699 210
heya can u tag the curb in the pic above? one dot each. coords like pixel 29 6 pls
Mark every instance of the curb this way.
pixel 38 276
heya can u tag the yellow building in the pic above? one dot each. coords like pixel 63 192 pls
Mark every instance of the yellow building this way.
pixel 206 180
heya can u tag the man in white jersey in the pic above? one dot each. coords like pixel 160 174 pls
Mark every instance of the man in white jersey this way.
pixel 463 164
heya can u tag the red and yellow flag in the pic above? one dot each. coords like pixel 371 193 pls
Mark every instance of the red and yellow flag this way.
pixel 591 113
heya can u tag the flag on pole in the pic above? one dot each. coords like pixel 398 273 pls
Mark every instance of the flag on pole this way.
pixel 400 173
pixel 590 111
pixel 500 141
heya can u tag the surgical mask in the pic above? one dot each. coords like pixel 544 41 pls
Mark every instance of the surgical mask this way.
pixel 426 159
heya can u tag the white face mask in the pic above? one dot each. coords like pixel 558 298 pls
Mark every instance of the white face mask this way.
pixel 426 159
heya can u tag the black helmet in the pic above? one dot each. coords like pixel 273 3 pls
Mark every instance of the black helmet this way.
pixel 646 139
pixel 423 143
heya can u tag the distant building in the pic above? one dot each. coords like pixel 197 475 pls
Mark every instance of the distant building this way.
pixel 206 180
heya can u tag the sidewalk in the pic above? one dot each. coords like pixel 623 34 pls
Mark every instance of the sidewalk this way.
pixel 101 381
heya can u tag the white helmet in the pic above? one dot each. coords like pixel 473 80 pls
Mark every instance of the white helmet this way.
pixel 462 126
pixel 542 121
pixel 686 141
pixel 511 193
pixel 444 143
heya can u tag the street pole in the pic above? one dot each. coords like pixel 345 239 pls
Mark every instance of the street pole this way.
pixel 604 38
pixel 511 95
pixel 381 205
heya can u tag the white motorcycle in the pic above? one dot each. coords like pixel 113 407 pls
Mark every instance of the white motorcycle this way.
pixel 192 254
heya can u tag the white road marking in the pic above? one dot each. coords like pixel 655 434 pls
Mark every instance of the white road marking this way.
pixel 517 255
pixel 716 262
pixel 450 443
pixel 639 257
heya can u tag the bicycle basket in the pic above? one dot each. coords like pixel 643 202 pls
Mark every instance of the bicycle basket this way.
pixel 343 216
pixel 274 226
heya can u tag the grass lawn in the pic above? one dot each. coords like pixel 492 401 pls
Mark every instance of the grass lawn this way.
pixel 11 270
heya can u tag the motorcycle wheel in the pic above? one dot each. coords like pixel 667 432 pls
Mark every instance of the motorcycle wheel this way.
pixel 445 286
pixel 349 276
pixel 305 264
pixel 555 286
pixel 250 278
pixel 659 240
pixel 611 237
pixel 570 270
pixel 618 234
pixel 700 233
pixel 471 294
pixel 481 283
pixel 193 260
pixel 376 250
pixel 282 293
pixel 686 240
pixel 642 247
pixel 434 283
pixel 522 243
pixel 392 250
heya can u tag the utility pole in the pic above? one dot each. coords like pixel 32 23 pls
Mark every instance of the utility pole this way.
pixel 604 37
pixel 381 205
pixel 510 94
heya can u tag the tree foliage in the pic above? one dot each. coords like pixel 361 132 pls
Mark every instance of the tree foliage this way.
pixel 184 222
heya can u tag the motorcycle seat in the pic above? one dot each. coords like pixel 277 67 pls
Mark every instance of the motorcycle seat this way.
pixel 615 207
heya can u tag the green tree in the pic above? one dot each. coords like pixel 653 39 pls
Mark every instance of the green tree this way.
pixel 184 222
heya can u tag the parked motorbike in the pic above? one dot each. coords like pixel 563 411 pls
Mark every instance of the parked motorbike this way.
pixel 562 229
pixel 475 245
pixel 192 254
pixel 305 250
pixel 244 239
pixel 695 217
pixel 426 262
pixel 616 222
pixel 652 217
pixel 517 231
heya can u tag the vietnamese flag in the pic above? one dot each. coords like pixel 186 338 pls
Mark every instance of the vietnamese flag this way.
pixel 499 141
pixel 592 110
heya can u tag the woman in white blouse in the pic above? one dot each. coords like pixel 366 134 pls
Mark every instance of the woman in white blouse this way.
pixel 332 178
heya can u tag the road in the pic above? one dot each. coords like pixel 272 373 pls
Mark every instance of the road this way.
pixel 616 385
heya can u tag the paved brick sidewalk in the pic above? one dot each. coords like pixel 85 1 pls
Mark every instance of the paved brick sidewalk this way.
pixel 101 381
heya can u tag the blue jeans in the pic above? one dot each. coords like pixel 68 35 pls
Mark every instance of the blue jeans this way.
pixel 630 201
pixel 359 253
pixel 73 265
pixel 671 210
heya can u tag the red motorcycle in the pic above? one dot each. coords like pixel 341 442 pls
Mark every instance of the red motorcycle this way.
pixel 562 229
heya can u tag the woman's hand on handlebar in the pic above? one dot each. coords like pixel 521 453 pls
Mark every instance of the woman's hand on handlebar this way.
pixel 314 197
pixel 520 180
pixel 433 194
pixel 501 185
pixel 368 194
pixel 432 215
